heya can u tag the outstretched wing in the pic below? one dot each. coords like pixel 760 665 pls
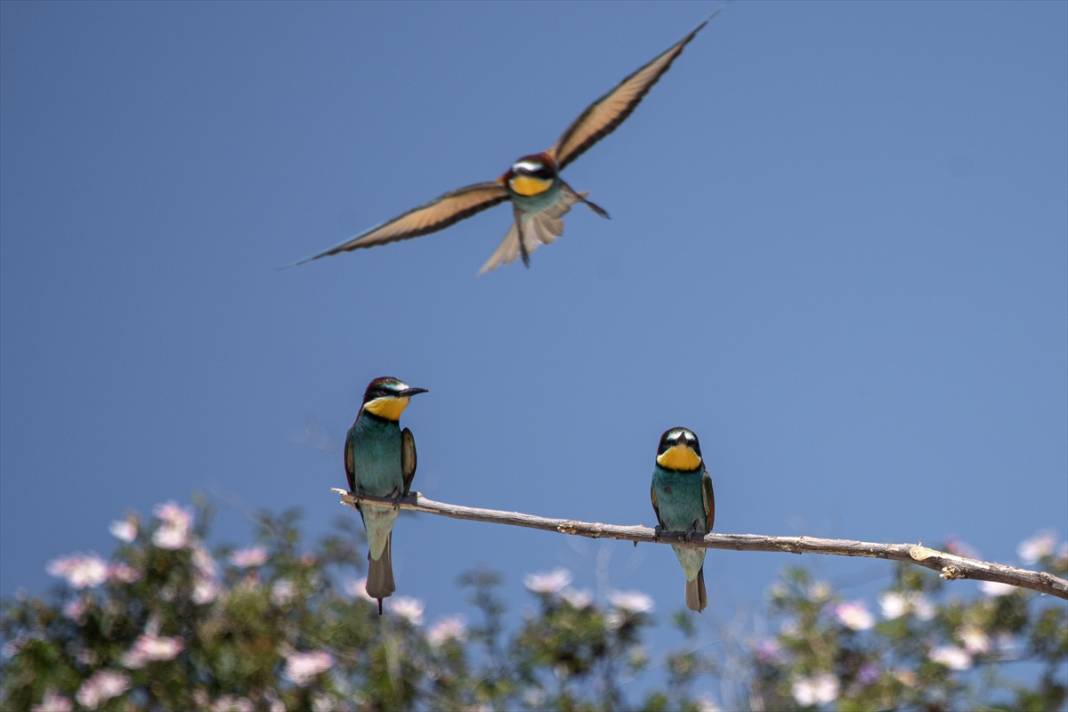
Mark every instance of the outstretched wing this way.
pixel 408 458
pixel 709 500
pixel 656 505
pixel 435 215
pixel 604 115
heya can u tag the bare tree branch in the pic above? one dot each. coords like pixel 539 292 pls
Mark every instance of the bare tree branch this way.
pixel 949 566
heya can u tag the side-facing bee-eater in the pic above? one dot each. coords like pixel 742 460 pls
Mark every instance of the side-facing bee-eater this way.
pixel 380 461
pixel 683 501
pixel 539 196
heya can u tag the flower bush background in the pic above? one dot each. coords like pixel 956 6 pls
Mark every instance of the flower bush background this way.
pixel 169 622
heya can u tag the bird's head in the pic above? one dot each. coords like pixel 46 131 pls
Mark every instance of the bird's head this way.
pixel 679 450
pixel 387 397
pixel 531 175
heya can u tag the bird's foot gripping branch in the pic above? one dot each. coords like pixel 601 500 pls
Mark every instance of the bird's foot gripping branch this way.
pixel 949 566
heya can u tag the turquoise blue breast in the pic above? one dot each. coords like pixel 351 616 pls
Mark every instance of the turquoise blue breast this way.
pixel 377 456
pixel 679 499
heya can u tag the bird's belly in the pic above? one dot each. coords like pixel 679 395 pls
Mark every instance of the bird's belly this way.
pixel 536 203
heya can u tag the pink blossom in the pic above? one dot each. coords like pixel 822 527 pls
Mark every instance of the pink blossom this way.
pixel 247 558
pixel 302 668
pixel 768 651
pixel 577 599
pixel 123 573
pixel 631 601
pixel 202 561
pixel 229 703
pixel 124 529
pixel 408 608
pixel 101 687
pixel 80 571
pixel 976 642
pixel 895 604
pixel 283 592
pixel 449 628
pixel 175 526
pixel 547 581
pixel 1038 547
pixel 996 588
pixel 816 690
pixel 204 591
pixel 53 702
pixel 358 589
pixel 960 548
pixel 951 656
pixel 76 609
pixel 854 615
pixel 149 648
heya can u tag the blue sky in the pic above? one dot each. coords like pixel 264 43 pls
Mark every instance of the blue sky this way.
pixel 837 253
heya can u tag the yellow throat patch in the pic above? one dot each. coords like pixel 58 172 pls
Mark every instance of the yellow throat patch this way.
pixel 529 185
pixel 679 457
pixel 388 407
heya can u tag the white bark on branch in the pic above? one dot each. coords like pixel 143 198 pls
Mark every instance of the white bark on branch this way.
pixel 949 566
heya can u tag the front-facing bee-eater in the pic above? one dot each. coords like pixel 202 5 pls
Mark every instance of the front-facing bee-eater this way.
pixel 539 196
pixel 380 461
pixel 683 501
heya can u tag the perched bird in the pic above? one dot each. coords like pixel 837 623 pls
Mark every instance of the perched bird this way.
pixel 539 196
pixel 683 501
pixel 380 461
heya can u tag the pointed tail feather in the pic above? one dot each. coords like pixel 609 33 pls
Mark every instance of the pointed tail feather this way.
pixel 380 574
pixel 696 596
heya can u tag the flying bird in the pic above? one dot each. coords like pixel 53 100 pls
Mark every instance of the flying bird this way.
pixel 684 502
pixel 540 197
pixel 380 461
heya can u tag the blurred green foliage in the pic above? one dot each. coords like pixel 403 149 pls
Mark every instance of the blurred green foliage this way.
pixel 168 624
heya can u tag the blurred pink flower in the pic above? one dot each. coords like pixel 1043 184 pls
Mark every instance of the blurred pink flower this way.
pixel 1038 547
pixel 577 599
pixel 996 588
pixel 75 610
pixel 894 604
pixel 819 591
pixel 631 601
pixel 854 615
pixel 976 642
pixel 124 530
pixel 547 581
pixel 302 668
pixel 706 704
pixel 150 648
pixel 816 690
pixel 123 573
pixel 174 528
pixel 80 571
pixel 768 651
pixel 282 592
pixel 53 702
pixel 204 591
pixel 202 561
pixel 246 558
pixel 448 628
pixel 101 687
pixel 951 656
pixel 229 703
pixel 408 608
pixel 357 588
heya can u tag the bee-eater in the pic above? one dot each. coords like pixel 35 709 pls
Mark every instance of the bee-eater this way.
pixel 539 196
pixel 683 501
pixel 380 461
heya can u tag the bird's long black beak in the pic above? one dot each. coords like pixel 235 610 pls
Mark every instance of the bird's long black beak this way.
pixel 409 392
